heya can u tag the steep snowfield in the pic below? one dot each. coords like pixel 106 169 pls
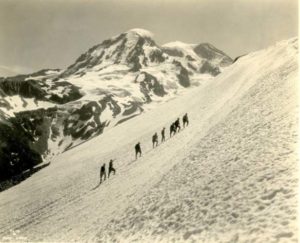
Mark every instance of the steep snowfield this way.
pixel 230 176
pixel 239 182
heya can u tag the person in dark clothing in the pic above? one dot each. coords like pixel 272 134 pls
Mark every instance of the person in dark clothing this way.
pixel 185 120
pixel 163 134
pixel 172 129
pixel 138 150
pixel 102 173
pixel 111 168
pixel 177 125
pixel 155 140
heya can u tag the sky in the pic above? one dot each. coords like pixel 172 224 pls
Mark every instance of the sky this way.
pixel 37 34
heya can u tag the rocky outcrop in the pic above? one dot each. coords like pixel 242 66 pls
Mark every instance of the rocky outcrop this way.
pixel 173 52
pixel 16 153
pixel 149 84
pixel 209 68
pixel 41 85
pixel 183 75
pixel 69 92
pixel 27 89
pixel 40 90
pixel 209 52
pixel 109 103
pixel 84 122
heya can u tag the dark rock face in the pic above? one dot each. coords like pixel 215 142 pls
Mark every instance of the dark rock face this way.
pixel 26 89
pixel 16 153
pixel 189 58
pixel 37 89
pixel 109 102
pixel 135 62
pixel 150 84
pixel 72 93
pixel 3 103
pixel 36 125
pixel 173 52
pixel 132 107
pixel 209 52
pixel 84 122
pixel 157 56
pixel 183 76
pixel 119 50
pixel 209 68
pixel 134 55
pixel 238 57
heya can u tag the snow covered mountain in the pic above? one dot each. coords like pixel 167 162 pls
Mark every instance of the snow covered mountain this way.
pixel 134 48
pixel 203 58
pixel 109 84
pixel 230 176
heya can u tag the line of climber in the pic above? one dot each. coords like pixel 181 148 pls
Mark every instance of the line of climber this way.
pixel 174 128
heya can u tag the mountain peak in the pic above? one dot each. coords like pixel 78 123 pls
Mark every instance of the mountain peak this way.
pixel 210 52
pixel 141 32
pixel 136 49
pixel 178 44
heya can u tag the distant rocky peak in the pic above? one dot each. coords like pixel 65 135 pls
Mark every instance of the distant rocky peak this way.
pixel 209 52
pixel 125 41
pixel 134 48
pixel 137 49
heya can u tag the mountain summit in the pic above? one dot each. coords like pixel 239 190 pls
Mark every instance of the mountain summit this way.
pixel 142 32
pixel 134 48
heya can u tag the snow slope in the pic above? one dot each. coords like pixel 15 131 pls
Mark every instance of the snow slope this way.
pixel 230 176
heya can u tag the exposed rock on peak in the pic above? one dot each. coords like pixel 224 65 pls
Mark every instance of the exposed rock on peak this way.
pixel 134 48
pixel 211 53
